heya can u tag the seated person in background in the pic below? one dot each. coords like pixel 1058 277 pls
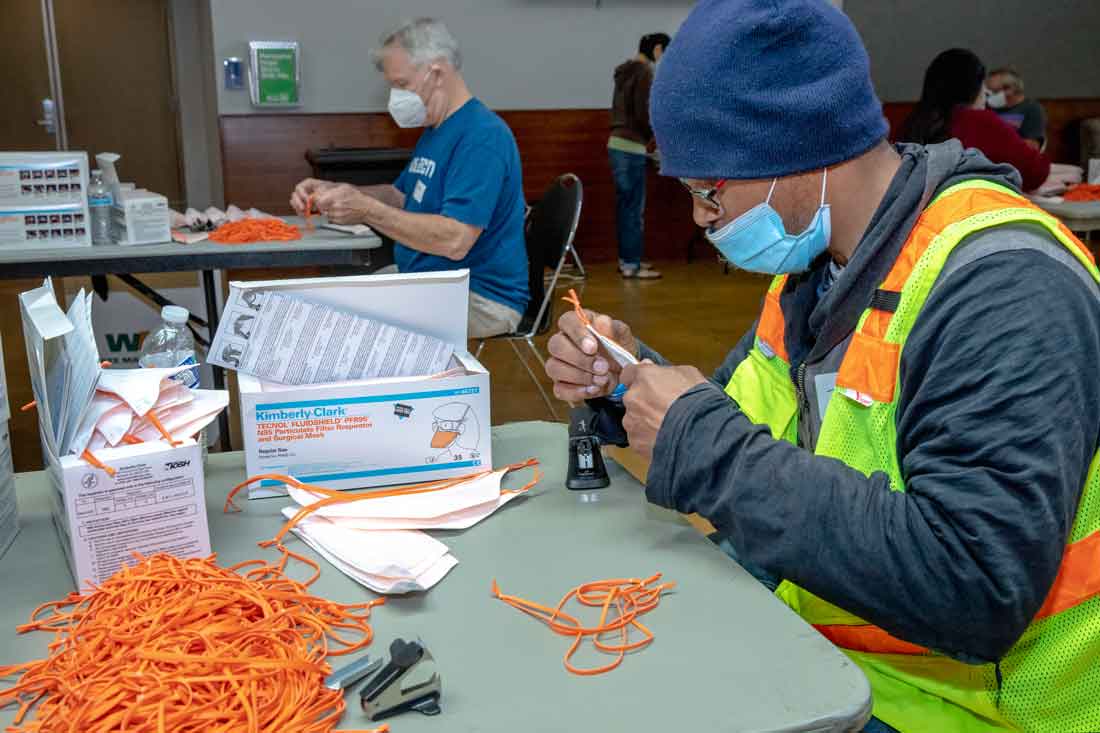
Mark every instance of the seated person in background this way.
pixel 952 104
pixel 460 202
pixel 1006 98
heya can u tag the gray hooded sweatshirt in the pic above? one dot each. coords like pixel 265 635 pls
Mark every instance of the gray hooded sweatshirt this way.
pixel 998 418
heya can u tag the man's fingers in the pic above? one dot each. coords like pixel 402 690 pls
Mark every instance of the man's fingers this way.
pixel 571 392
pixel 562 347
pixel 572 327
pixel 629 375
pixel 560 371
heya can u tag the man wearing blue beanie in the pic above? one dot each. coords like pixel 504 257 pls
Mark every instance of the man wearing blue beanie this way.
pixel 904 446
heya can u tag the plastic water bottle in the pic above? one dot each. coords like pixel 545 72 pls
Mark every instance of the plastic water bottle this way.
pixel 99 209
pixel 171 345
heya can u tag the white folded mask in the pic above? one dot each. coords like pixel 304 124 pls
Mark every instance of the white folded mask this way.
pixel 139 388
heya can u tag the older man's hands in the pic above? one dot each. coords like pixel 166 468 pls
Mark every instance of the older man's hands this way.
pixel 577 366
pixel 651 391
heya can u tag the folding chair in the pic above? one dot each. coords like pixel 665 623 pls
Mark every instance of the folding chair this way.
pixel 551 227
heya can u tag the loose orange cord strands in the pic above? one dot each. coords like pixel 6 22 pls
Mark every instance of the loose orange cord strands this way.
pixel 333 497
pixel 630 598
pixel 255 230
pixel 309 212
pixel 577 308
pixel 183 645
pixel 1083 192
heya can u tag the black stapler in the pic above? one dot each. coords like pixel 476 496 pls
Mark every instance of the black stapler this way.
pixel 586 467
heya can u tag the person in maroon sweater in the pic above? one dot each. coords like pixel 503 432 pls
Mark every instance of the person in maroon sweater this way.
pixel 952 104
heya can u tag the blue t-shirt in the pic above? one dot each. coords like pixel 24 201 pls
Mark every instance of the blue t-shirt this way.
pixel 468 169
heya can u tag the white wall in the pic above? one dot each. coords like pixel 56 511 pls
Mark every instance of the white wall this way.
pixel 518 54
pixel 1055 45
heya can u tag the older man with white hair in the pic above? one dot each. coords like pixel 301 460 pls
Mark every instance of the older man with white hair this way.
pixel 460 201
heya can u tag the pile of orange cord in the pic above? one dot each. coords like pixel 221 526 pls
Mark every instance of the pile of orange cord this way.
pixel 621 601
pixel 1083 192
pixel 244 231
pixel 182 645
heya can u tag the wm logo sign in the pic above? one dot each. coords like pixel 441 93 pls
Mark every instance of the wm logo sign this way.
pixel 124 341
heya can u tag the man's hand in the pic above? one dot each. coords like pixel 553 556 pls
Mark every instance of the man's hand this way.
pixel 577 366
pixel 651 391
pixel 305 189
pixel 345 204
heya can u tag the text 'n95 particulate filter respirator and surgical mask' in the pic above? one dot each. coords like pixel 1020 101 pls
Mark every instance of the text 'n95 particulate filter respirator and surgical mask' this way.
pixel 757 241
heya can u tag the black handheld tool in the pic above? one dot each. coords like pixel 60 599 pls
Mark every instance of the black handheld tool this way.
pixel 586 467
pixel 408 682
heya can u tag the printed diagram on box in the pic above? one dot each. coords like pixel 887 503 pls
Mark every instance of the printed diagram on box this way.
pixel 242 324
pixel 254 299
pixel 455 432
pixel 232 353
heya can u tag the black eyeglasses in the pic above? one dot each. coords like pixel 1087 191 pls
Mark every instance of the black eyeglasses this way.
pixel 708 196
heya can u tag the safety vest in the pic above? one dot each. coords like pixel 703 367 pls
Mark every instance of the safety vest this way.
pixel 1050 679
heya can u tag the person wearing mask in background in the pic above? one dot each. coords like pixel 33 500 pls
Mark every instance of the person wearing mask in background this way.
pixel 459 204
pixel 628 148
pixel 1006 98
pixel 952 104
pixel 904 446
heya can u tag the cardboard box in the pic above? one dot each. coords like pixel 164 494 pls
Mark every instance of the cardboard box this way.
pixel 9 509
pixel 373 432
pixel 5 408
pixel 154 503
pixel 44 200
pixel 141 217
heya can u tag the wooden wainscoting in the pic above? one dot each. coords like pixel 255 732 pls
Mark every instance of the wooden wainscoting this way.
pixel 263 156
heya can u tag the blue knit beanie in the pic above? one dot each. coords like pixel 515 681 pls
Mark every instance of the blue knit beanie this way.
pixel 761 89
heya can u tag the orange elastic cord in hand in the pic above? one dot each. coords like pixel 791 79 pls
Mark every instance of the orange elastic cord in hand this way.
pixel 88 456
pixel 169 644
pixel 576 301
pixel 255 230
pixel 630 598
pixel 309 212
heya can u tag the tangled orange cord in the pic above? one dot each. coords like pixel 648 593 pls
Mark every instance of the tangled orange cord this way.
pixel 1083 192
pixel 580 311
pixel 255 230
pixel 333 497
pixel 182 645
pixel 629 597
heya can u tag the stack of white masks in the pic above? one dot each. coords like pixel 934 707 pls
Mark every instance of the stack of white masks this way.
pixel 375 538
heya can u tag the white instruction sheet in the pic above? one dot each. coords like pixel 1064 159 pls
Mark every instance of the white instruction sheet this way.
pixel 292 341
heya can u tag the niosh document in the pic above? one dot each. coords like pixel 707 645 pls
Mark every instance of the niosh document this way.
pixel 285 339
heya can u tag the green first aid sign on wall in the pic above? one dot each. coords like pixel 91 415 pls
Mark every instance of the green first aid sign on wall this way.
pixel 275 73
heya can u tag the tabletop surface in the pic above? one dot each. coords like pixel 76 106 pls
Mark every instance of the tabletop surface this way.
pixel 728 656
pixel 1074 212
pixel 316 245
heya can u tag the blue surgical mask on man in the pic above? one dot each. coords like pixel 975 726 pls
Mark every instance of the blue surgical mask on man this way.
pixel 757 240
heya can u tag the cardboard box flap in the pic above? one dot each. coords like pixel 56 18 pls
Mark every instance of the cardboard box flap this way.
pixel 432 303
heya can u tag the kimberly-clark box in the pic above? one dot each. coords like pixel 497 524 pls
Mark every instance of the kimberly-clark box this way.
pixel 44 200
pixel 376 432
pixel 154 503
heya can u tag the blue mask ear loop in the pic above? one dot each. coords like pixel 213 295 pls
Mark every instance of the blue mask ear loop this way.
pixel 824 178
pixel 771 190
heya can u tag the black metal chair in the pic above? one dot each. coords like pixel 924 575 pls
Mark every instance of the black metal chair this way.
pixel 551 228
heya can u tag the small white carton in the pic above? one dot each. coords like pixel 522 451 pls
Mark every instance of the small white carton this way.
pixel 154 503
pixel 375 432
pixel 141 217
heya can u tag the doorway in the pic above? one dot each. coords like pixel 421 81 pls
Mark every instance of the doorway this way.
pixel 94 76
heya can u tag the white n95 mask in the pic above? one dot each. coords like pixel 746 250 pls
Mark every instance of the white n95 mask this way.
pixel 407 108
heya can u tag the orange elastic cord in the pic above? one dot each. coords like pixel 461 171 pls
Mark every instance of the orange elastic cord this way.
pixel 629 597
pixel 88 456
pixel 29 406
pixel 104 364
pixel 255 230
pixel 132 439
pixel 160 429
pixel 576 301
pixel 309 212
pixel 1083 192
pixel 171 644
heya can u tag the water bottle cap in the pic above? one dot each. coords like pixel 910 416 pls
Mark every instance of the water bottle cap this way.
pixel 174 314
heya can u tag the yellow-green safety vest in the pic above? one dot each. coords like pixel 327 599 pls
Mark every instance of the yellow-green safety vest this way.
pixel 1049 681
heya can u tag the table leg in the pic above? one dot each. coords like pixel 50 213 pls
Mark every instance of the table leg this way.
pixel 208 288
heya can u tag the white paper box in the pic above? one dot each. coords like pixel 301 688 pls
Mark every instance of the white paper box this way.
pixel 154 503
pixel 141 217
pixel 373 432
pixel 5 408
pixel 44 200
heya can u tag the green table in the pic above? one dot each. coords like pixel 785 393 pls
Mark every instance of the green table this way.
pixel 728 656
